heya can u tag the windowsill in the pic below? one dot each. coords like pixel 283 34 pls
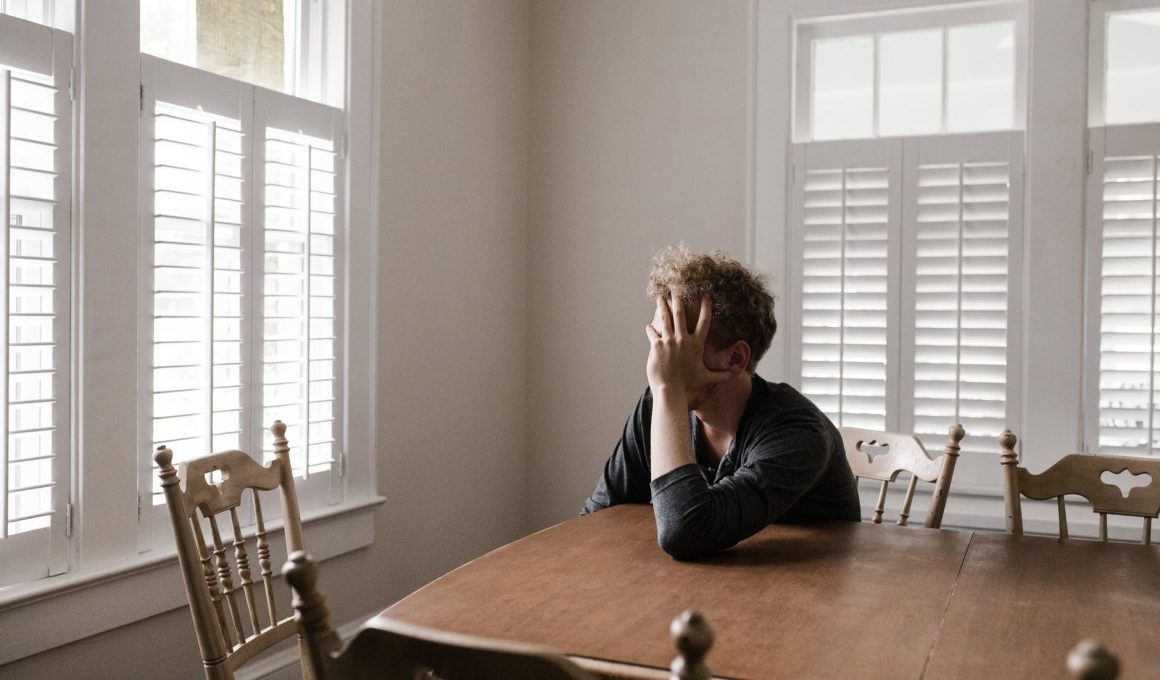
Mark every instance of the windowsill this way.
pixel 41 615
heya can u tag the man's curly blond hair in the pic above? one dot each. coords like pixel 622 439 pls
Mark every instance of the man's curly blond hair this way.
pixel 742 306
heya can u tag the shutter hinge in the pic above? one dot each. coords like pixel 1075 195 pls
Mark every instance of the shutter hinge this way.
pixel 1091 160
pixel 140 504
pixel 72 84
pixel 342 147
pixel 141 101
pixel 68 520
pixel 342 463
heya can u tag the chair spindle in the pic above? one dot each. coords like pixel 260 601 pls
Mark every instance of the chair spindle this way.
pixel 226 579
pixel 1103 527
pixel 211 581
pixel 243 561
pixel 1147 531
pixel 264 559
pixel 881 506
pixel 904 514
pixel 1062 518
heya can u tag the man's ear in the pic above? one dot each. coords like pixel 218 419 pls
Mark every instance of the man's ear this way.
pixel 739 356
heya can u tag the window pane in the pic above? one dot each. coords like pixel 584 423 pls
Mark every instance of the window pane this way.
pixel 981 77
pixel 169 30
pixel 39 11
pixel 1132 95
pixel 241 39
pixel 910 83
pixel 842 105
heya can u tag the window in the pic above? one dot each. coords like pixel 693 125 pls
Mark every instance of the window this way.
pixel 906 222
pixel 1123 362
pixel 35 198
pixel 38 11
pixel 915 73
pixel 244 228
pixel 287 46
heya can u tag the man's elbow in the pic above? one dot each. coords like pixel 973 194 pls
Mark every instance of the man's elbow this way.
pixel 680 543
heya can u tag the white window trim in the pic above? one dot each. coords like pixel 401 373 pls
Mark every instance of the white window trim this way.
pixel 107 568
pixel 1050 398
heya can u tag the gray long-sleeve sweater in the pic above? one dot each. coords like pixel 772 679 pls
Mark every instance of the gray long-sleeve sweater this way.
pixel 786 463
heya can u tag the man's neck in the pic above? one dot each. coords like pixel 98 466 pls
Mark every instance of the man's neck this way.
pixel 720 414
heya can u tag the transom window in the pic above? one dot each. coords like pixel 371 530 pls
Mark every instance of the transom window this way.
pixel 940 72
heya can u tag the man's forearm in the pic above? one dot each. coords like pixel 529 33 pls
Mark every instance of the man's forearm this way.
pixel 672 443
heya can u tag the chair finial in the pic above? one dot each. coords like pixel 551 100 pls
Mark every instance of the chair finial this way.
pixel 165 470
pixel 163 457
pixel 955 434
pixel 693 636
pixel 1007 441
pixel 1090 660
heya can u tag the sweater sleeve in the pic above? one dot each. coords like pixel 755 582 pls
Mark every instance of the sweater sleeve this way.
pixel 696 518
pixel 626 473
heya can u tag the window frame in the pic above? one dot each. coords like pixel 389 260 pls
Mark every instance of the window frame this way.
pixel 257 110
pixel 1055 185
pixel 111 570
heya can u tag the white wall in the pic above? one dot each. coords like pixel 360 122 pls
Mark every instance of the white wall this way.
pixel 452 285
pixel 638 140
pixel 451 370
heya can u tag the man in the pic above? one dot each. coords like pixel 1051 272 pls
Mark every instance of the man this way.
pixel 718 451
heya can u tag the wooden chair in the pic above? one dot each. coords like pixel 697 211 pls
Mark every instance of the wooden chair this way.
pixel 229 629
pixel 1080 474
pixel 904 453
pixel 1090 660
pixel 386 649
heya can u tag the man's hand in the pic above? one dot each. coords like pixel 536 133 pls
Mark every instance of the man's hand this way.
pixel 676 358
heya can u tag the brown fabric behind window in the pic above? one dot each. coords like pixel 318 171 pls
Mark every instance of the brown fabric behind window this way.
pixel 242 39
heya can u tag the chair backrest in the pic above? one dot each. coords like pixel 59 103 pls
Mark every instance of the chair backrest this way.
pixel 903 453
pixel 386 649
pixel 1080 474
pixel 230 629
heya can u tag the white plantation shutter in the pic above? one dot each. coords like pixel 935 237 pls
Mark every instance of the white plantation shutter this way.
pixel 1123 207
pixel 963 230
pixel 301 283
pixel 35 176
pixel 243 225
pixel 194 152
pixel 907 309
pixel 847 223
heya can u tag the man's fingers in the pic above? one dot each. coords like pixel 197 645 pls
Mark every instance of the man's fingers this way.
pixel 678 307
pixel 706 316
pixel 651 332
pixel 666 315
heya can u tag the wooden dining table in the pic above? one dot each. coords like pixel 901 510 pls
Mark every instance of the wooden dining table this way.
pixel 826 600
